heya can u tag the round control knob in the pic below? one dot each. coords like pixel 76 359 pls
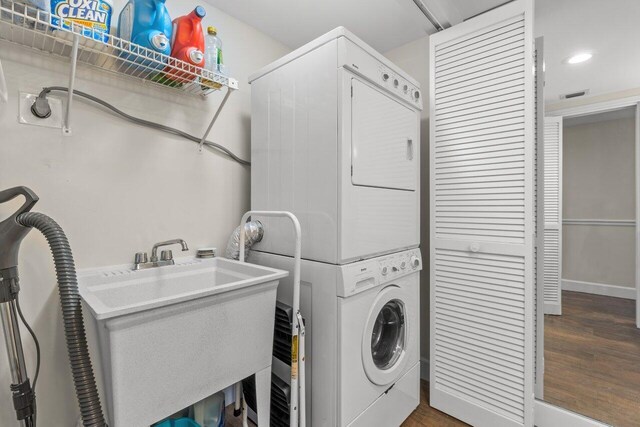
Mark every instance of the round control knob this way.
pixel 141 258
pixel 415 262
pixel 405 88
pixel 166 255
pixel 385 77
pixel 416 95
pixel 384 271
pixel 403 265
pixel 396 82
pixel 394 269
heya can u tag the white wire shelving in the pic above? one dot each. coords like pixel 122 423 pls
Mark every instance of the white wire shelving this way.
pixel 33 28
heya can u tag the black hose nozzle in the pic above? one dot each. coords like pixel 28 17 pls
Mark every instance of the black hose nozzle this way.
pixel 24 400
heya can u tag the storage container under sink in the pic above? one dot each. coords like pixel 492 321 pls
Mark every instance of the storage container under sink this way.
pixel 172 336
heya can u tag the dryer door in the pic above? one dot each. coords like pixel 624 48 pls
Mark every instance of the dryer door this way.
pixel 385 338
pixel 384 135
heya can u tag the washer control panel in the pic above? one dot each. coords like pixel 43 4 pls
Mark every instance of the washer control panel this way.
pixel 367 274
pixel 396 265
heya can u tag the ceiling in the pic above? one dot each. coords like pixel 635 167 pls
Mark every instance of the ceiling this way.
pixel 609 30
pixel 451 12
pixel 384 24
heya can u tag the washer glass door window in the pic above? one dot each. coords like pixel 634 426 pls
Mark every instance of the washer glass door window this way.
pixel 388 335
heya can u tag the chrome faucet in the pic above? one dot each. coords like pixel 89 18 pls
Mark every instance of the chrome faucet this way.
pixel 166 256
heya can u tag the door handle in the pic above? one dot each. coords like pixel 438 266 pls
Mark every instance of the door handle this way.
pixel 409 149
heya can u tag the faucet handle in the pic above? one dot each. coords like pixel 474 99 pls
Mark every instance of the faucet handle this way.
pixel 166 255
pixel 141 258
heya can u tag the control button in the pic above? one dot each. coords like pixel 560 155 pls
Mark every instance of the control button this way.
pixel 416 95
pixel 396 82
pixel 415 262
pixel 405 88
pixel 385 77
pixel 384 271
pixel 403 265
pixel 394 269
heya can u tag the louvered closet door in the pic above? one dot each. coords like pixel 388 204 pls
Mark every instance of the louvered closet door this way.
pixel 552 244
pixel 482 218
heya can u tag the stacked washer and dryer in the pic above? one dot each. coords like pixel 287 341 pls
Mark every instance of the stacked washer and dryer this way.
pixel 335 140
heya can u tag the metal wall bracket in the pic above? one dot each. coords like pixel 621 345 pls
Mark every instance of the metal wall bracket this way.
pixel 66 124
pixel 4 93
pixel 215 117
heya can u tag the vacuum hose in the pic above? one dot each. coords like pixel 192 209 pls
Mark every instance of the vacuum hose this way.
pixel 81 368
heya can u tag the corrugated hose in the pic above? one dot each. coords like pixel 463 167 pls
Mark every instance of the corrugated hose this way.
pixel 79 358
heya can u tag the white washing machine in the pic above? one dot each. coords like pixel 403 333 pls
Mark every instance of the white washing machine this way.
pixel 362 323
pixel 335 139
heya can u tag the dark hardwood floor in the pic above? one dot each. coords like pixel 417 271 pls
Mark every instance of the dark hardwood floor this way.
pixel 592 358
pixel 425 415
pixel 592 364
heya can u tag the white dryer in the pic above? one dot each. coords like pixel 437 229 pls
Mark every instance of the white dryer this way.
pixel 362 323
pixel 335 139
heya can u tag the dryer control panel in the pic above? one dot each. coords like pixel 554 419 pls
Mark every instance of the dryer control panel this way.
pixel 363 275
pixel 378 72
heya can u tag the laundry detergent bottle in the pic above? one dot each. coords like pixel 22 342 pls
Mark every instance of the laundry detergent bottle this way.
pixel 188 43
pixel 146 23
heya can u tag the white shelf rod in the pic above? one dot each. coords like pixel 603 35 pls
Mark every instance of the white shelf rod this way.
pixel 215 117
pixel 66 127
pixel 4 93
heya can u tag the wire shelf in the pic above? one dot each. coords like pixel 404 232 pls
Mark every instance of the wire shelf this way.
pixel 34 28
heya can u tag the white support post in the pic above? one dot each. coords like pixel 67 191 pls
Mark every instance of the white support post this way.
pixel 66 127
pixel 302 383
pixel 215 117
pixel 298 392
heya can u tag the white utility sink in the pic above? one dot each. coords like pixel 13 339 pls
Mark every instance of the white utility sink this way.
pixel 171 336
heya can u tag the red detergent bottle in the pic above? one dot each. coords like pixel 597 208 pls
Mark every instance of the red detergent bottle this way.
pixel 188 44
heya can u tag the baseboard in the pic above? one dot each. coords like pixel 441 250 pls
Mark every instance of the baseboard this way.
pixel 424 368
pixel 547 415
pixel 555 309
pixel 599 289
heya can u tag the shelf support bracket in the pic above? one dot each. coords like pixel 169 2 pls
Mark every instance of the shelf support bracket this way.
pixel 215 117
pixel 4 93
pixel 66 127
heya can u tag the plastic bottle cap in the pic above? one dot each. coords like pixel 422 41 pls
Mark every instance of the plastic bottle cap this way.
pixel 212 30
pixel 200 12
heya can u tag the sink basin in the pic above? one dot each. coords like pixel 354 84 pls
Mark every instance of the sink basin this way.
pixel 116 291
pixel 171 336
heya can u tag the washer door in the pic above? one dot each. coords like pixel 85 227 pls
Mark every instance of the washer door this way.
pixel 385 338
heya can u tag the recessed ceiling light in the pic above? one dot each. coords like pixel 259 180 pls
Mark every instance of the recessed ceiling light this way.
pixel 581 57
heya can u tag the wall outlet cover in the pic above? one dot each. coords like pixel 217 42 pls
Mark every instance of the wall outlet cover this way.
pixel 25 116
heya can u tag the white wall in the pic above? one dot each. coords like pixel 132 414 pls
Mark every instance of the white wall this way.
pixel 413 58
pixel 599 183
pixel 117 188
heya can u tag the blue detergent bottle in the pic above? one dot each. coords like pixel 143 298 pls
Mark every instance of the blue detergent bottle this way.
pixel 147 23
